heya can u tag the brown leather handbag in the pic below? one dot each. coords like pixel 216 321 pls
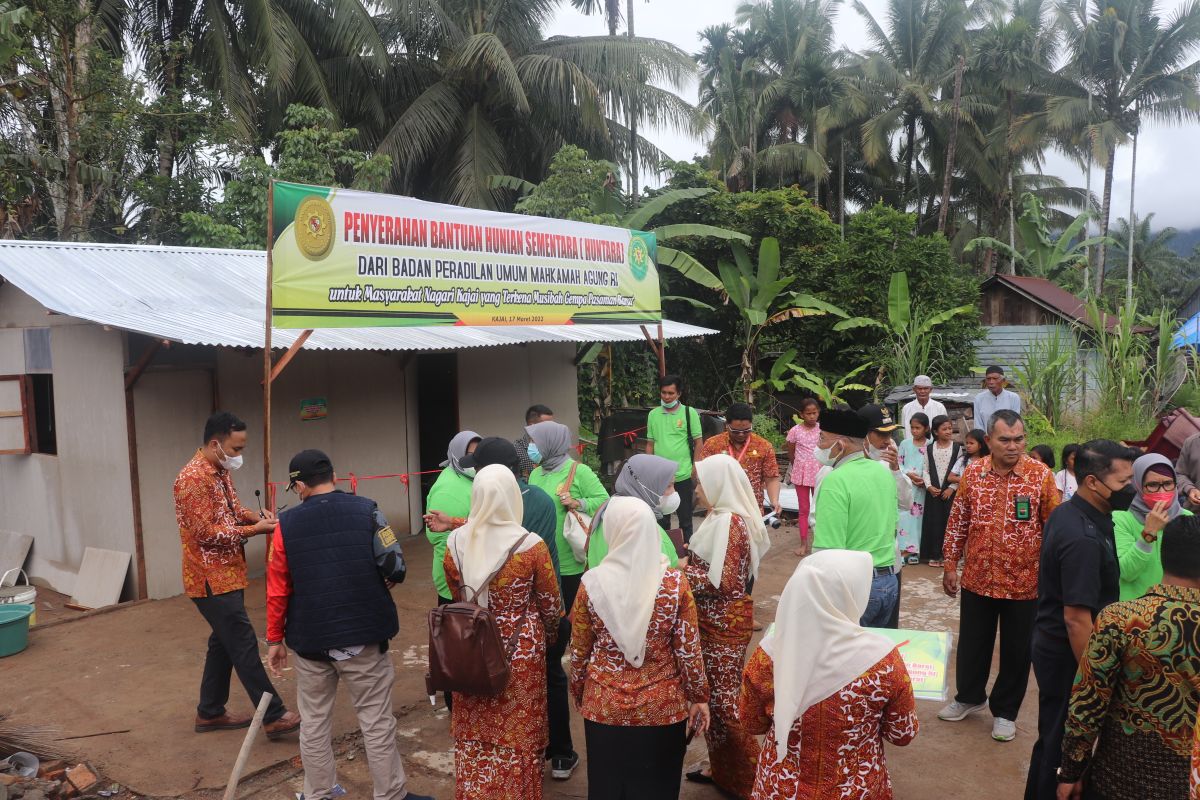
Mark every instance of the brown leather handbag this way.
pixel 466 651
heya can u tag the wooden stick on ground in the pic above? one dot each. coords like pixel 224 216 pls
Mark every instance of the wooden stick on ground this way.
pixel 247 745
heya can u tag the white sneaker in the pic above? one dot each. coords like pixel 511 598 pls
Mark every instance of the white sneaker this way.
pixel 956 711
pixel 1004 730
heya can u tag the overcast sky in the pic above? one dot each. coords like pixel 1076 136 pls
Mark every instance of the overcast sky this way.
pixel 1168 159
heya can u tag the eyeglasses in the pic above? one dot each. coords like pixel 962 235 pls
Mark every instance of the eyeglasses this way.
pixel 739 431
pixel 1165 486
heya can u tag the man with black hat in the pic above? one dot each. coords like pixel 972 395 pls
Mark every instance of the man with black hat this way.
pixel 994 398
pixel 333 559
pixel 855 507
pixel 539 517
pixel 881 447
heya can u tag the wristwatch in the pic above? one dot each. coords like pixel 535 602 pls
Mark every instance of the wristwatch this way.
pixel 1148 537
pixel 1058 773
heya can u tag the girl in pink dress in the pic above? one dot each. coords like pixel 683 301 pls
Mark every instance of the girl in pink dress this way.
pixel 801 442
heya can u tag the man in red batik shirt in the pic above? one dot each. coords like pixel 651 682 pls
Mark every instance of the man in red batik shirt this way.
pixel 213 529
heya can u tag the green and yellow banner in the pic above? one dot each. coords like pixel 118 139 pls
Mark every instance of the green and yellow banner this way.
pixel 347 259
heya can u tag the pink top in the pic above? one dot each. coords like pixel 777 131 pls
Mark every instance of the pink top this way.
pixel 804 466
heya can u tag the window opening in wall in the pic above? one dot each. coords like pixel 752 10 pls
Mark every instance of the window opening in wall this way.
pixel 42 389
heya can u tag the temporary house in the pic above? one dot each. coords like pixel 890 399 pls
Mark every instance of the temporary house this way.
pixel 111 358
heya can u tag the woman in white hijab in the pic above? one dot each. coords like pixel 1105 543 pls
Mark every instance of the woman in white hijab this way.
pixel 637 675
pixel 725 552
pixel 499 742
pixel 835 688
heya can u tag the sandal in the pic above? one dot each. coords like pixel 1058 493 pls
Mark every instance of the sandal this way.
pixel 698 776
pixel 934 562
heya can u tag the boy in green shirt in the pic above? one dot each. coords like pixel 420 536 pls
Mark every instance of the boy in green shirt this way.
pixel 673 432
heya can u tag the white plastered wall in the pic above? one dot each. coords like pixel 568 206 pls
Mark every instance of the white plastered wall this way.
pixel 80 497
pixel 497 384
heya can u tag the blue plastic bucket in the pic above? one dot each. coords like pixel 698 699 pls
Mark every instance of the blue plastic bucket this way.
pixel 14 628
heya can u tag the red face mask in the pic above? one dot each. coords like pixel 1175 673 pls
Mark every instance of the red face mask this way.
pixel 1152 498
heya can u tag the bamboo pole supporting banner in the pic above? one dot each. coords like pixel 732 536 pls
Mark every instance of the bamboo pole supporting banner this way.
pixel 266 443
pixel 247 744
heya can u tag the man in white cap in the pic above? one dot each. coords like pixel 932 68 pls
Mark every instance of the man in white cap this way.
pixel 922 388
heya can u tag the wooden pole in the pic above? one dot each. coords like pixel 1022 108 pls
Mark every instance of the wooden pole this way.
pixel 662 353
pixel 290 354
pixel 135 488
pixel 266 444
pixel 247 743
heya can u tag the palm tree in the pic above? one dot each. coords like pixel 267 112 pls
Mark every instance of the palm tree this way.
pixel 1127 65
pixel 1161 275
pixel 905 74
pixel 492 96
pixel 807 90
pixel 731 83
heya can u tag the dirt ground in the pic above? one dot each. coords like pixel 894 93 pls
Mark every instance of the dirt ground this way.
pixel 138 669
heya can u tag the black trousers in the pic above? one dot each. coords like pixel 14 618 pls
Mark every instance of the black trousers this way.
pixel 558 703
pixel 976 642
pixel 232 646
pixel 1055 667
pixel 626 762
pixel 687 500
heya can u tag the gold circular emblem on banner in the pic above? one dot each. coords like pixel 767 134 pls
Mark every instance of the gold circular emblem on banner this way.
pixel 314 226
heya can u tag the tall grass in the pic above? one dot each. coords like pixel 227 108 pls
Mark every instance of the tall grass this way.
pixel 1049 373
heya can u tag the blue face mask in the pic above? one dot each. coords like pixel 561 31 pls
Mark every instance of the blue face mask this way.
pixel 671 404
pixel 535 455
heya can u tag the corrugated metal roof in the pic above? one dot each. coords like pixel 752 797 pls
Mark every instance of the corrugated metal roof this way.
pixel 1054 298
pixel 216 297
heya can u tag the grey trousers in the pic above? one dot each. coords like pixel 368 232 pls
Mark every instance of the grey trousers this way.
pixel 368 677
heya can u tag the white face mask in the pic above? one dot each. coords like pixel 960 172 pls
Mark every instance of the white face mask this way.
pixel 825 455
pixel 226 462
pixel 874 453
pixel 469 472
pixel 668 504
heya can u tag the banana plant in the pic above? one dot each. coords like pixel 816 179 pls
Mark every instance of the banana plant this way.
pixel 1042 256
pixel 910 333
pixel 762 299
pixel 830 395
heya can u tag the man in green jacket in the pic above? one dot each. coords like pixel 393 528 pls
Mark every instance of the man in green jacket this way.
pixel 855 507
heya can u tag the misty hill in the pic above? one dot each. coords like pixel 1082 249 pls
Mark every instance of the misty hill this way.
pixel 1184 241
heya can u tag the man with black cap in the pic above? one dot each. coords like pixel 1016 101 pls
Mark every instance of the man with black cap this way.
pixel 881 447
pixel 994 398
pixel 333 559
pixel 539 517
pixel 855 507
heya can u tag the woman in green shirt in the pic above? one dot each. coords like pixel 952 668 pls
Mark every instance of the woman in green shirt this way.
pixel 450 494
pixel 650 479
pixel 550 450
pixel 1137 530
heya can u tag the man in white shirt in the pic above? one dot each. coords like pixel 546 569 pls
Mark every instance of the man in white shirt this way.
pixel 922 388
pixel 994 398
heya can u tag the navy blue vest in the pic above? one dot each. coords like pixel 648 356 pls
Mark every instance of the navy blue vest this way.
pixel 338 596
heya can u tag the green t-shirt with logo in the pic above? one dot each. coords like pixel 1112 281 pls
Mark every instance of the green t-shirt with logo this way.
pixel 669 432
pixel 855 509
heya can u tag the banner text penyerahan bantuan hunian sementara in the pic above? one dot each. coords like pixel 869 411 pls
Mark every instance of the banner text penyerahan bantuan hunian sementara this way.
pixel 348 259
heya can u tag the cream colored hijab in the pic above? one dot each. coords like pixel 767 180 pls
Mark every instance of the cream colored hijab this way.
pixel 481 546
pixel 729 492
pixel 622 588
pixel 816 644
